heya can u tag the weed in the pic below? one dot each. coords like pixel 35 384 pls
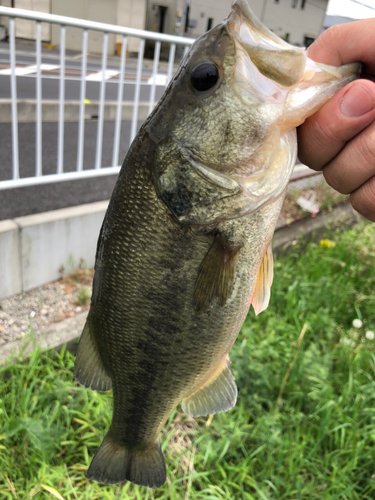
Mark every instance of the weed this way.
pixel 316 441
pixel 83 297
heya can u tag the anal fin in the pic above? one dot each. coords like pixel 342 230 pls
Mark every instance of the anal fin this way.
pixel 218 394
pixel 262 291
pixel 216 274
pixel 88 368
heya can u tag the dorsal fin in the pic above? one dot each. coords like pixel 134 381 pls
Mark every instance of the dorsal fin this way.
pixel 262 290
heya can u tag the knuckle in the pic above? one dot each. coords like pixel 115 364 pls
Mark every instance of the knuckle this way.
pixel 328 37
pixel 363 199
pixel 326 43
pixel 366 148
pixel 327 132
pixel 333 178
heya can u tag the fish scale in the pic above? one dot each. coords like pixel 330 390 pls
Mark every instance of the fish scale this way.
pixel 185 246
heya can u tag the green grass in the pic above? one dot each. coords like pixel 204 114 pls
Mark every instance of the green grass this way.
pixel 316 443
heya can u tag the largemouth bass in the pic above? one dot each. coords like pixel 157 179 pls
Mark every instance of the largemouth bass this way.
pixel 185 246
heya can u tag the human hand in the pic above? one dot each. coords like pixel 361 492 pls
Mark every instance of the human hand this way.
pixel 340 138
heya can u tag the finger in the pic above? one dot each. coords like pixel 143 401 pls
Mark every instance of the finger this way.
pixel 346 43
pixel 354 165
pixel 363 199
pixel 324 134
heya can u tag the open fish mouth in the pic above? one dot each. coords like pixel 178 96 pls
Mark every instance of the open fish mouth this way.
pixel 273 57
pixel 272 66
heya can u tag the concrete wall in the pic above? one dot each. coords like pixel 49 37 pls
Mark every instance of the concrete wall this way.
pixel 34 248
pixel 10 259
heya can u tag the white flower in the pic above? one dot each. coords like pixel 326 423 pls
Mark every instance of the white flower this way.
pixel 370 335
pixel 346 341
pixel 357 323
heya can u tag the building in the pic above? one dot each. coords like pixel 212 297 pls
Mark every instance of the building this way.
pixel 297 21
pixel 129 13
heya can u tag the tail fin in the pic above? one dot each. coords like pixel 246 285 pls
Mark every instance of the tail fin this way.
pixel 113 464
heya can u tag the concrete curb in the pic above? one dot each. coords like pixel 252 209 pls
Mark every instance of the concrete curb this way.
pixel 341 215
pixel 69 234
pixel 68 331
pixel 26 111
pixel 55 336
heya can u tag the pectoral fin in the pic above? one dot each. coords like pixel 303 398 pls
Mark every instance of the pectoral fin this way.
pixel 88 368
pixel 216 275
pixel 262 290
pixel 218 394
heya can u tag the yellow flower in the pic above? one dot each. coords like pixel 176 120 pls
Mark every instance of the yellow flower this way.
pixel 327 243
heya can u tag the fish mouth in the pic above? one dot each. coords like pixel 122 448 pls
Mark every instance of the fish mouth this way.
pixel 272 66
pixel 274 58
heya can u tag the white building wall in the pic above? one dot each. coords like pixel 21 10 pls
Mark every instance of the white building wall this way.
pixel 277 15
pixel 152 19
pixel 92 10
pixel 27 29
pixel 131 14
pixel 70 8
pixel 201 11
pixel 4 20
pixel 282 18
pixel 126 13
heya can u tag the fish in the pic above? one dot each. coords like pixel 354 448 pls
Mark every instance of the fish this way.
pixel 185 245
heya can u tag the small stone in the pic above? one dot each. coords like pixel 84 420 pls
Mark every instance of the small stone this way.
pixel 32 314
pixel 78 309
pixel 43 312
pixel 10 322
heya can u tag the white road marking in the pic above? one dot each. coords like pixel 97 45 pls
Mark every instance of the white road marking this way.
pixel 98 77
pixel 18 71
pixel 28 70
pixel 45 67
pixel 159 80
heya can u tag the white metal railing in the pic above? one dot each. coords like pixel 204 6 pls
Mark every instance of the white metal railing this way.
pixel 17 180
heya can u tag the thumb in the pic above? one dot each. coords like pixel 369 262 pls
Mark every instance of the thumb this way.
pixel 324 134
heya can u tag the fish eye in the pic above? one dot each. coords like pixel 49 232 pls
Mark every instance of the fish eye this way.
pixel 204 76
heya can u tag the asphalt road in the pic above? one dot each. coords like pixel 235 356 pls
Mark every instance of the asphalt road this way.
pixel 36 199
pixel 50 89
pixel 26 84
